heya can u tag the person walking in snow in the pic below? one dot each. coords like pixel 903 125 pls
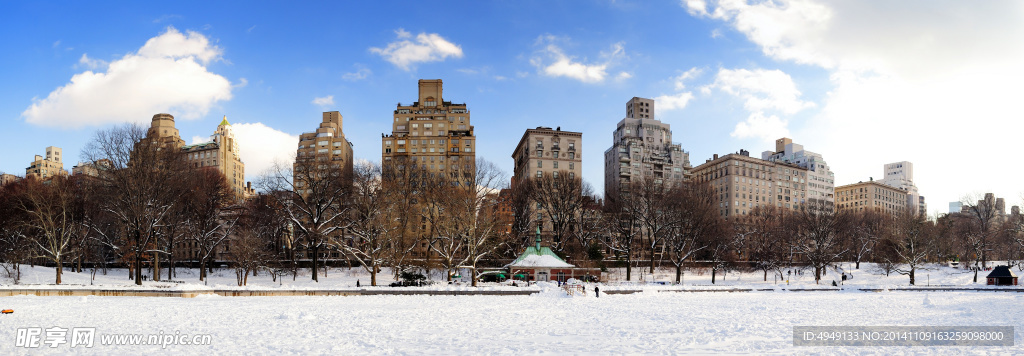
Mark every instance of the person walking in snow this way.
pixel 597 292
pixel 357 283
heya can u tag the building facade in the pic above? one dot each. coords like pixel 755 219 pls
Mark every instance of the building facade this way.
pixel 642 147
pixel 432 135
pixel 47 167
pixel 901 175
pixel 871 195
pixel 327 143
pixel 820 179
pixel 742 183
pixel 7 178
pixel 222 153
pixel 162 132
pixel 543 151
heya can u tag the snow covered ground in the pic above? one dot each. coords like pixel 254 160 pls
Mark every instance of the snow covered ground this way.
pixel 544 323
pixel 868 276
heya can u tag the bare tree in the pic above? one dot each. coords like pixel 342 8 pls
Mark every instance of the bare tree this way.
pixel 816 227
pixel 979 226
pixel 14 241
pixel 624 227
pixel 766 245
pixel 480 202
pixel 51 209
pixel 210 215
pixel 696 223
pixel 313 195
pixel 865 230
pixel 560 200
pixel 911 243
pixel 137 188
pixel 374 227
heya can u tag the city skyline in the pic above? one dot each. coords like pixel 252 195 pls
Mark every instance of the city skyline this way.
pixel 861 91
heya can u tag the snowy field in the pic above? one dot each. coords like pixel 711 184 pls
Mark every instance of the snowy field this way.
pixel 868 276
pixel 544 323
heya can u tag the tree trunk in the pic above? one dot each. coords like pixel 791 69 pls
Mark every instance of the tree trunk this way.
pixel 473 271
pixel 59 270
pixel 156 266
pixel 765 275
pixel 629 267
pixel 373 275
pixel 138 269
pixel 858 265
pixel 911 276
pixel 316 259
pixel 713 272
pixel 202 269
pixel 679 273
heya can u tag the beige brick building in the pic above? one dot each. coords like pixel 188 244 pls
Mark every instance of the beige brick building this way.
pixel 543 151
pixel 327 143
pixel 868 195
pixel 642 147
pixel 431 135
pixel 46 167
pixel 222 153
pixel 162 131
pixel 742 183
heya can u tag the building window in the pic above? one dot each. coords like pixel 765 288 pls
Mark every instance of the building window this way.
pixel 555 165
pixel 540 164
pixel 572 165
pixel 540 174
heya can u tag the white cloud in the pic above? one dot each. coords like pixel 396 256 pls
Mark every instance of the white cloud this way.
pixel 324 101
pixel 168 74
pixel 678 100
pixel 672 102
pixel 766 128
pixel 932 82
pixel 761 89
pixel 623 76
pixel 91 63
pixel 553 62
pixel 360 74
pixel 260 146
pixel 428 47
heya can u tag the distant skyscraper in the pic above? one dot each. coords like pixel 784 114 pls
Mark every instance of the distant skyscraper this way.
pixel 220 152
pixel 820 179
pixel 327 143
pixel 431 135
pixel 955 207
pixel 642 147
pixel 901 175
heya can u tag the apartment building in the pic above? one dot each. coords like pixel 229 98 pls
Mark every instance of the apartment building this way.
pixel 47 167
pixel 432 135
pixel 222 153
pixel 901 175
pixel 742 183
pixel 820 179
pixel 862 196
pixel 642 147
pixel 545 151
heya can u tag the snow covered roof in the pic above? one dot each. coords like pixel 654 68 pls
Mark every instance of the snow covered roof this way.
pixel 1001 272
pixel 536 256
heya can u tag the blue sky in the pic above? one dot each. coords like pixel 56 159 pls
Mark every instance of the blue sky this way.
pixel 864 83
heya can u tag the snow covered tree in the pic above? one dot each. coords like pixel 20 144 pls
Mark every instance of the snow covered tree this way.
pixel 375 227
pixel 817 226
pixel 137 188
pixel 313 194
pixel 766 245
pixel 695 223
pixel 864 231
pixel 911 242
pixel 54 212
pixel 210 214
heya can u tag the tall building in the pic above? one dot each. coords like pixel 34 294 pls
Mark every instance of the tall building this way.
pixel 543 151
pixel 46 167
pixel 220 152
pixel 162 131
pixel 901 175
pixel 642 147
pixel 872 194
pixel 742 183
pixel 432 135
pixel 328 143
pixel 820 179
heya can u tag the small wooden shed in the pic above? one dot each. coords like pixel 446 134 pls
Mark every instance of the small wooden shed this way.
pixel 1002 276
